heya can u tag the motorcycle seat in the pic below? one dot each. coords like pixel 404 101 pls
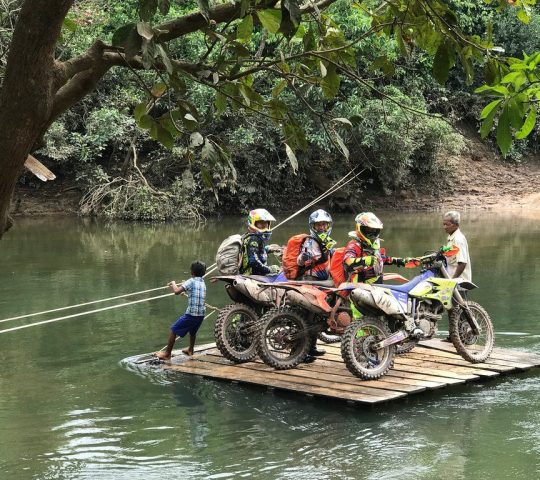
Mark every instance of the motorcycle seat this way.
pixel 320 283
pixel 405 287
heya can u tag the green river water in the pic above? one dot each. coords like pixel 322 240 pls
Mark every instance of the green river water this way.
pixel 69 409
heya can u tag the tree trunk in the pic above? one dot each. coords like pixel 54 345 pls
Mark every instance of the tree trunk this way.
pixel 27 94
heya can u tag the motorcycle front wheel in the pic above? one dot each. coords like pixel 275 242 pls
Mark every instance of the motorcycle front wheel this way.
pixel 357 348
pixel 282 340
pixel 473 348
pixel 234 332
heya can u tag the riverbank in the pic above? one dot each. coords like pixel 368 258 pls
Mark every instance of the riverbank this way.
pixel 479 179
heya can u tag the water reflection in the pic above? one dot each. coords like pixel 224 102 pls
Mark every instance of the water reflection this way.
pixel 68 409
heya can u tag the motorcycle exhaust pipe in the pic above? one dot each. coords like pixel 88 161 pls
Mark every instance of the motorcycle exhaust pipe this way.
pixel 363 297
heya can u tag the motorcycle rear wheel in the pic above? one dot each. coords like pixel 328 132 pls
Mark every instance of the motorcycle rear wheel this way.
pixel 360 359
pixel 235 332
pixel 282 339
pixel 473 348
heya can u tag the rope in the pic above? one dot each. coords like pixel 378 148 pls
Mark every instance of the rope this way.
pixel 339 184
pixel 98 310
pixel 81 304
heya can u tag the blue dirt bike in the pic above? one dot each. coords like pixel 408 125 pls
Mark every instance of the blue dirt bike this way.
pixel 401 315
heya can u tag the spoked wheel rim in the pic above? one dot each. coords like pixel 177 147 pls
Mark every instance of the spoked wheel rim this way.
pixel 238 333
pixel 472 347
pixel 364 353
pixel 475 343
pixel 283 337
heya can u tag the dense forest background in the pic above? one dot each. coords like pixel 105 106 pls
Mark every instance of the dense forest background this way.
pixel 119 171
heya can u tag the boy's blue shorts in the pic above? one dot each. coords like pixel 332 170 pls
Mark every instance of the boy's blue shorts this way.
pixel 186 324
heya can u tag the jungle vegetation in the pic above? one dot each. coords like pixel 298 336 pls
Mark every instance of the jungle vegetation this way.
pixel 161 109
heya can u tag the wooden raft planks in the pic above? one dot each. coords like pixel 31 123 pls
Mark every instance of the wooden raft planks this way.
pixel 431 365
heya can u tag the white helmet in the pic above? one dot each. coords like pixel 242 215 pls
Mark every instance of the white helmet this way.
pixel 320 216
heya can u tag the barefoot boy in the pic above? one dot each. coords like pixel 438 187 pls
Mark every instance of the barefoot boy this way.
pixel 192 319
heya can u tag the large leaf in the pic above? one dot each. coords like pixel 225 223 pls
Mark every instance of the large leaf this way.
pixel 166 60
pixel 139 111
pixel 504 136
pixel 270 19
pixel 342 145
pixel 528 125
pixel 121 35
pixel 196 139
pixel 164 137
pixel 487 123
pixel 220 103
pixel 330 83
pixel 279 88
pixel 443 61
pixel 145 30
pixel 292 158
pixel 488 108
pixel 245 29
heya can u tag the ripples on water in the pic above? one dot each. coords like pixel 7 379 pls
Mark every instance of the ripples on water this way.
pixel 68 410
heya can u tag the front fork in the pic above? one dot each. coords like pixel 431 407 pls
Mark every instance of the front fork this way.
pixel 461 303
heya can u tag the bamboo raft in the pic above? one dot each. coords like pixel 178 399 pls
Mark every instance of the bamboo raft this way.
pixel 432 365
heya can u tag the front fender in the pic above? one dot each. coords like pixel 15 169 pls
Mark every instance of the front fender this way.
pixel 466 284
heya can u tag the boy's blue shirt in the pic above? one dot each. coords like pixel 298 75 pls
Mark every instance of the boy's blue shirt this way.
pixel 196 292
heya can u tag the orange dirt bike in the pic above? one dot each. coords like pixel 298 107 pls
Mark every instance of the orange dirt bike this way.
pixel 401 315
pixel 308 308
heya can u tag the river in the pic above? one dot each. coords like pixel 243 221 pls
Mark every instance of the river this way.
pixel 69 409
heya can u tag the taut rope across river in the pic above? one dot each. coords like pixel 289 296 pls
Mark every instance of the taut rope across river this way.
pixel 212 268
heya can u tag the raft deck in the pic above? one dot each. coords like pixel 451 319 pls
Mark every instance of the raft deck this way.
pixel 432 365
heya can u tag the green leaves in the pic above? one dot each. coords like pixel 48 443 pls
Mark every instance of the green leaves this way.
pixel 528 124
pixel 245 29
pixel 444 60
pixel 270 19
pixel 504 137
pixel 330 82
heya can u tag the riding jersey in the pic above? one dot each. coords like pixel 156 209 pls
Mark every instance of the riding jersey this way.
pixel 254 256
pixel 314 259
pixel 364 264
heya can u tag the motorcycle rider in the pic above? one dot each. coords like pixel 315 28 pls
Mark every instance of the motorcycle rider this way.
pixel 363 260
pixel 314 258
pixel 254 248
pixel 317 247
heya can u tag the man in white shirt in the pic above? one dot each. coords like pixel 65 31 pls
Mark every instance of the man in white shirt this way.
pixel 459 265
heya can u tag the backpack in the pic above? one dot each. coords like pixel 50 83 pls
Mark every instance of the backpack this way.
pixel 291 269
pixel 337 272
pixel 229 255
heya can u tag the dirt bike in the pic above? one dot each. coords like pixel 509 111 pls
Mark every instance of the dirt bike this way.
pixel 307 309
pixel 236 323
pixel 404 314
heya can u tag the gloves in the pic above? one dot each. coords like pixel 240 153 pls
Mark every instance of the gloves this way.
pixel 399 262
pixel 274 269
pixel 273 248
pixel 412 260
pixel 304 257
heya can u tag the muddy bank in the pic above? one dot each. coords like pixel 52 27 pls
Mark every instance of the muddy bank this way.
pixel 478 179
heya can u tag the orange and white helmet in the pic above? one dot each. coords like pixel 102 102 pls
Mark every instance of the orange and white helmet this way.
pixel 368 228
pixel 260 215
